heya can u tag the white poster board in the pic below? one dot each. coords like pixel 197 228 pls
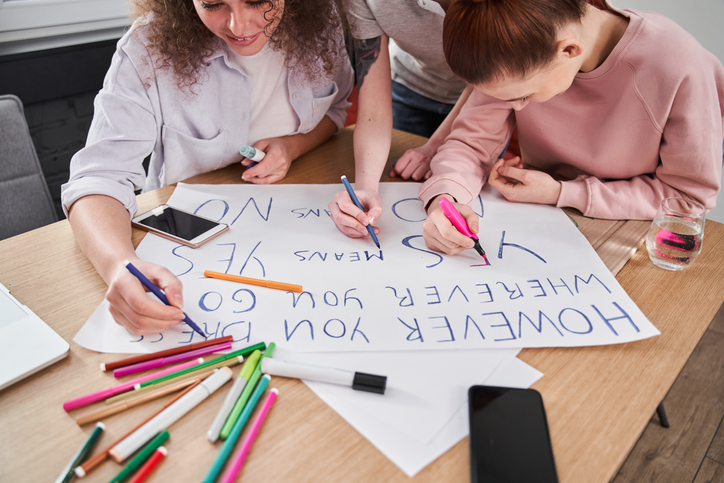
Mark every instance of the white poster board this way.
pixel 544 285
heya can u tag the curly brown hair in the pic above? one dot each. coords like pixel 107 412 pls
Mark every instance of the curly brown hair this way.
pixel 307 33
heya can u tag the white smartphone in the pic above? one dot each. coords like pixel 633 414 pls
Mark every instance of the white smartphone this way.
pixel 180 226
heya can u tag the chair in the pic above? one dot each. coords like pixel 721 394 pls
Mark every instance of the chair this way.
pixel 25 202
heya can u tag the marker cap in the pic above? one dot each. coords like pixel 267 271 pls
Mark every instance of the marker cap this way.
pixel 369 383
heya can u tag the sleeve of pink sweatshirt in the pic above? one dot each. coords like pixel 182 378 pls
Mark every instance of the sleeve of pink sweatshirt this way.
pixel 479 134
pixel 664 137
pixel 689 116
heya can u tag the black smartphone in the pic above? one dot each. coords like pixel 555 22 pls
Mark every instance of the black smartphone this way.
pixel 179 226
pixel 509 440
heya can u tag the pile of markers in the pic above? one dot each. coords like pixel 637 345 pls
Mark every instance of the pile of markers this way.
pixel 141 447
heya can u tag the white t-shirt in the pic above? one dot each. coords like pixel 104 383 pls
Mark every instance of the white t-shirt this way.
pixel 271 114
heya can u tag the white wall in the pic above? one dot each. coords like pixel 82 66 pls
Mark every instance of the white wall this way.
pixel 704 19
pixel 30 25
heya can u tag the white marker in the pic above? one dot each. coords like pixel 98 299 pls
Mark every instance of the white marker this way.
pixel 358 380
pixel 252 153
pixel 170 415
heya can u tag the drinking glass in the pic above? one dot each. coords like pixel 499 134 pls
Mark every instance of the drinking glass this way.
pixel 676 234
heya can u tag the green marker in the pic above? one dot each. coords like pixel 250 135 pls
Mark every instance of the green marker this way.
pixel 228 445
pixel 241 352
pixel 250 365
pixel 239 406
pixel 137 461
pixel 68 473
pixel 232 396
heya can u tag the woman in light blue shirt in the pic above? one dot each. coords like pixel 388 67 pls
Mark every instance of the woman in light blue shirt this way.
pixel 189 84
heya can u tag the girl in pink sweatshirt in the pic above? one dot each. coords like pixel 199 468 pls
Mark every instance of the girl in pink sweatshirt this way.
pixel 616 110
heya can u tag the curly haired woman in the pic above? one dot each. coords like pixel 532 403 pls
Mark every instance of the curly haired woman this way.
pixel 191 82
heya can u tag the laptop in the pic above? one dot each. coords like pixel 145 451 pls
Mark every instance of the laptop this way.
pixel 27 344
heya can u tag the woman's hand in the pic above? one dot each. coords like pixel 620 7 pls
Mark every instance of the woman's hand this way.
pixel 524 185
pixel 349 219
pixel 275 164
pixel 440 235
pixel 131 307
pixel 415 163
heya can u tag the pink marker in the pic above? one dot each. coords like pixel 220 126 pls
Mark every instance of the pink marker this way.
pixel 164 361
pixel 126 386
pixel 459 223
pixel 240 456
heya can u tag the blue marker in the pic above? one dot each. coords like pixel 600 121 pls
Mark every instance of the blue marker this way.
pixel 252 153
pixel 356 202
pixel 161 296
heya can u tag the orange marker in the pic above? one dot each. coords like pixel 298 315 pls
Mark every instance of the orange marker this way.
pixel 254 281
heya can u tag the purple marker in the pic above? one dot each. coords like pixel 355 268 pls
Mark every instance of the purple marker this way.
pixel 163 361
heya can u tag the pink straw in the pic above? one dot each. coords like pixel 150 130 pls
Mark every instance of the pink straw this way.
pixel 162 361
pixel 240 456
pixel 112 391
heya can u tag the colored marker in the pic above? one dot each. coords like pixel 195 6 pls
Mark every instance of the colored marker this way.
pixel 109 366
pixel 238 460
pixel 245 394
pixel 121 406
pixel 150 465
pixel 164 361
pixel 213 433
pixel 253 154
pixel 231 355
pixel 459 223
pixel 82 470
pixel 218 363
pixel 357 380
pixel 254 281
pixel 349 189
pixel 161 296
pixel 142 456
pixel 126 386
pixel 80 455
pixel 228 445
pixel 192 378
pixel 173 413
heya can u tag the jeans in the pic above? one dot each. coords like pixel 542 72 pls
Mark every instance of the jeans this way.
pixel 414 113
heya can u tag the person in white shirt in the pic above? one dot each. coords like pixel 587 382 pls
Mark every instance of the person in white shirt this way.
pixel 190 83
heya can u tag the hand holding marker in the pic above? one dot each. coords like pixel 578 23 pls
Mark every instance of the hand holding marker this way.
pixel 161 296
pixel 350 191
pixel 459 223
pixel 253 154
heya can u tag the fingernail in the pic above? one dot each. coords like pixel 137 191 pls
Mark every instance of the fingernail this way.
pixel 372 220
pixel 179 316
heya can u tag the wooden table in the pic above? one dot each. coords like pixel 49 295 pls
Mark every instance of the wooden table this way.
pixel 598 399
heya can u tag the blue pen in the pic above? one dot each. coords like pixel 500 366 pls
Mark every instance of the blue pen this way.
pixel 359 205
pixel 161 296
pixel 504 149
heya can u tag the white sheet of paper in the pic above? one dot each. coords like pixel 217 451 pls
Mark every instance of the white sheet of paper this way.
pixel 412 455
pixel 544 287
pixel 421 386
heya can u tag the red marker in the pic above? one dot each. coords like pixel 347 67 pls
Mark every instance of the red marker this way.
pixel 458 222
pixel 150 465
